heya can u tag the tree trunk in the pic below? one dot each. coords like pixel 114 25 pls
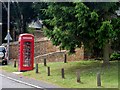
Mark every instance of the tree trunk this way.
pixel 13 33
pixel 106 53
pixel 21 24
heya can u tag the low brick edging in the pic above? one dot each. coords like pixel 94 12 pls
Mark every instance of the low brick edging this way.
pixel 48 56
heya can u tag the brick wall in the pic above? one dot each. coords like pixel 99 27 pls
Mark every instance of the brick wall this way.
pixel 14 50
pixel 44 46
pixel 38 34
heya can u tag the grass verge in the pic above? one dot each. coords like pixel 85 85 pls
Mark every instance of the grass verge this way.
pixel 88 71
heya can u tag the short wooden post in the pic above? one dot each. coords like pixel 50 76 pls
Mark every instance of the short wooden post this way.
pixel 36 69
pixel 45 62
pixel 78 76
pixel 65 59
pixel 15 63
pixel 48 71
pixel 62 72
pixel 98 79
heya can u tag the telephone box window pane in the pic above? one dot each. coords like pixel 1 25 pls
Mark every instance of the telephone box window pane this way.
pixel 27 54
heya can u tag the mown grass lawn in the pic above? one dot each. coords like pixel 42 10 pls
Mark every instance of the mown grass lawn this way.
pixel 88 70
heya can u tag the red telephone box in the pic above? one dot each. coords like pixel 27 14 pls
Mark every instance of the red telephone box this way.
pixel 26 52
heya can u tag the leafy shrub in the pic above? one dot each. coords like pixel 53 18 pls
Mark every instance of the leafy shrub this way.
pixel 30 30
pixel 115 56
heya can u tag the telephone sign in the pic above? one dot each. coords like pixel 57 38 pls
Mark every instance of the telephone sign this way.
pixel 26 52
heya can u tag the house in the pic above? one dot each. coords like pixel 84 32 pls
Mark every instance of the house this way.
pixel 37 24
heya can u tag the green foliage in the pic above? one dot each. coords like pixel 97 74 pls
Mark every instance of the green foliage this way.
pixel 38 8
pixel 116 39
pixel 105 33
pixel 115 56
pixel 71 24
pixel 61 29
pixel 68 28
pixel 30 30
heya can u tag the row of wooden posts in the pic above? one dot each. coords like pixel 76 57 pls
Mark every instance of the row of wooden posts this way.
pixel 48 70
pixel 45 64
pixel 63 72
pixel 77 74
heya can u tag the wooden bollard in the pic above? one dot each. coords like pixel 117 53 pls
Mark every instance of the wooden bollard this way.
pixel 98 79
pixel 44 61
pixel 36 69
pixel 65 59
pixel 62 72
pixel 15 63
pixel 78 76
pixel 48 71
